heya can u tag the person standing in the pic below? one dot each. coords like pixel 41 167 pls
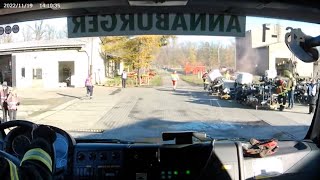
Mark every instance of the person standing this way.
pixel 312 95
pixel 4 106
pixel 291 87
pixel 89 86
pixel 227 75
pixel 174 78
pixel 13 103
pixel 204 78
pixel 282 92
pixel 124 77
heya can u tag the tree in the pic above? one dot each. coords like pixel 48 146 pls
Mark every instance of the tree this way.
pixel 62 33
pixel 50 32
pixel 113 45
pixel 38 30
pixel 6 38
pixel 140 51
pixel 26 33
pixel 136 51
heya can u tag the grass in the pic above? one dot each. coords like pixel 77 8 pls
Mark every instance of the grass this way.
pixel 156 81
pixel 116 82
pixel 192 79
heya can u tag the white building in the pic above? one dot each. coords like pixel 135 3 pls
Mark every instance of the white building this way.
pixel 258 52
pixel 48 64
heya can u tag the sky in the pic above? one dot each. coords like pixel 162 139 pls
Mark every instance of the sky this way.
pixel 251 23
pixel 257 22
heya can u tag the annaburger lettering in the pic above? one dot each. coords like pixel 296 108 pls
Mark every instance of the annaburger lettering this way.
pixel 160 22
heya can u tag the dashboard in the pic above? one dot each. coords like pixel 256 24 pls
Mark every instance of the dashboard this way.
pixel 18 140
pixel 100 159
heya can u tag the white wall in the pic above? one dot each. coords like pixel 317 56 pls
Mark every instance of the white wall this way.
pixel 48 61
pixel 280 50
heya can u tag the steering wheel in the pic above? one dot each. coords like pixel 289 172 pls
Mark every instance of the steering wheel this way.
pixel 9 124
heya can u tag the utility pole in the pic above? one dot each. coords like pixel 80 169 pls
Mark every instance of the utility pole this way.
pixel 91 55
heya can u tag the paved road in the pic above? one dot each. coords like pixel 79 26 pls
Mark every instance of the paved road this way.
pixel 144 113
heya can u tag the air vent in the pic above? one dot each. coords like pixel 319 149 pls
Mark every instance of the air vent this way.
pixel 158 2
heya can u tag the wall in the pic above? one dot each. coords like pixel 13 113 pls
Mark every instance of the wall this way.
pixel 48 61
pixel 280 50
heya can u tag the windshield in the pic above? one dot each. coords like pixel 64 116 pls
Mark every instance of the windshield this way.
pixel 136 87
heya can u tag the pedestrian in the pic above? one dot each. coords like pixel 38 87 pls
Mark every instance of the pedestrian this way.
pixel 4 106
pixel 174 78
pixel 124 77
pixel 89 86
pixel 291 87
pixel 313 92
pixel 13 103
pixel 204 78
pixel 227 75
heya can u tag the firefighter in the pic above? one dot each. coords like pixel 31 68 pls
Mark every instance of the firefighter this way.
pixel 282 93
pixel 37 161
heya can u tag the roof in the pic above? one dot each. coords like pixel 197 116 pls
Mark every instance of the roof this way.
pixel 42 45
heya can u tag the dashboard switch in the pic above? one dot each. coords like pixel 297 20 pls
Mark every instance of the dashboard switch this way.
pixel 103 156
pixel 115 155
pixel 80 157
pixel 92 156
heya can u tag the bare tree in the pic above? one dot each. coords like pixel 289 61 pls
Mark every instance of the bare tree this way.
pixel 38 30
pixel 6 38
pixel 51 33
pixel 27 35
pixel 62 33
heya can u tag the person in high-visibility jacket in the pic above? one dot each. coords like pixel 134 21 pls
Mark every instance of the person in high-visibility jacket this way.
pixel 174 78
pixel 13 103
pixel 36 163
pixel 227 75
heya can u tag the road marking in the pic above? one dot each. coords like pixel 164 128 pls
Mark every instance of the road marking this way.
pixel 218 103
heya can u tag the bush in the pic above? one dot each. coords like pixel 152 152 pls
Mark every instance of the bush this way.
pixel 193 79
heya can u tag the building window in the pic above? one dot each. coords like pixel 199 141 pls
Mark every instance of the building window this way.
pixel 23 72
pixel 283 64
pixel 37 73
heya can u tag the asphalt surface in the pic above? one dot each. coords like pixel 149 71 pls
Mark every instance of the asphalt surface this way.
pixel 142 114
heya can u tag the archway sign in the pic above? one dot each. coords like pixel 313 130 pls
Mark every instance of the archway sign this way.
pixel 156 24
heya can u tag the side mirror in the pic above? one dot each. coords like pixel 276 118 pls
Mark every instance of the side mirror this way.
pixel 302 45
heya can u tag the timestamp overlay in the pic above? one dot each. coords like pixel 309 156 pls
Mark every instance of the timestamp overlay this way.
pixel 11 5
pixel 50 6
